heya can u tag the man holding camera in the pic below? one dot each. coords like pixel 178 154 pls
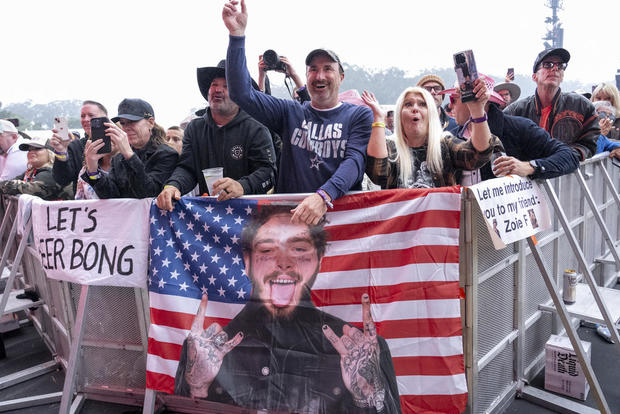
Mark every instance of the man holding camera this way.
pixel 568 117
pixel 324 140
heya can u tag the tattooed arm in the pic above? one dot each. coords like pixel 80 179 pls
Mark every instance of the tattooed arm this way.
pixel 359 360
pixel 205 352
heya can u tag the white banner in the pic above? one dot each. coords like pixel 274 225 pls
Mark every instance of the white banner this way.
pixel 513 207
pixel 93 242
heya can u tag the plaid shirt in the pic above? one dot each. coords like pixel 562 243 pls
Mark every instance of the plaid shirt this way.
pixel 457 155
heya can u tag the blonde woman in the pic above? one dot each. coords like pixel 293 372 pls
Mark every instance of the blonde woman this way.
pixel 420 154
pixel 38 179
pixel 610 126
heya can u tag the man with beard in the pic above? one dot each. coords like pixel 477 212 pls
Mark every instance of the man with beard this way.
pixel 224 136
pixel 286 355
pixel 323 141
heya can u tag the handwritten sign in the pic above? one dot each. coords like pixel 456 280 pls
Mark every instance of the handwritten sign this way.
pixel 513 208
pixel 93 242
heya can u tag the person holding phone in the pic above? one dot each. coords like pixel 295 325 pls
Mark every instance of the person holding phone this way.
pixel 609 93
pixel 144 161
pixel 422 155
pixel 69 154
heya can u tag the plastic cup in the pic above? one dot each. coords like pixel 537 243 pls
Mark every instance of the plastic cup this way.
pixel 495 156
pixel 211 176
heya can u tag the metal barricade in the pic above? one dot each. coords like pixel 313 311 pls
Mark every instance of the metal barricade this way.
pixel 507 318
pixel 505 328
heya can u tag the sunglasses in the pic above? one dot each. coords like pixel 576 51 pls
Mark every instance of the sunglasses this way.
pixel 550 65
pixel 432 89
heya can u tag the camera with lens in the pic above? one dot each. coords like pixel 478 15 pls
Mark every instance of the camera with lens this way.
pixel 466 74
pixel 273 62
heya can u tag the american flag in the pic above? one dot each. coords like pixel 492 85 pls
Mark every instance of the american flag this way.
pixel 400 246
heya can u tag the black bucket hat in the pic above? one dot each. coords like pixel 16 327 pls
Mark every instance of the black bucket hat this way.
pixel 134 110
pixel 206 75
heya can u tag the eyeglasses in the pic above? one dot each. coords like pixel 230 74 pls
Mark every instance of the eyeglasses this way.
pixel 432 89
pixel 550 65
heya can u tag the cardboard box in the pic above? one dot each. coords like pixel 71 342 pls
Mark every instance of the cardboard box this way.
pixel 563 373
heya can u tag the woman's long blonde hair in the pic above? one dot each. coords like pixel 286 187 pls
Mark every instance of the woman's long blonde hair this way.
pixel 611 91
pixel 433 140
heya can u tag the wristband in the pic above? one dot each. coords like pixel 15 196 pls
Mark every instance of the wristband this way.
pixel 93 175
pixel 60 155
pixel 324 196
pixel 378 124
pixel 479 120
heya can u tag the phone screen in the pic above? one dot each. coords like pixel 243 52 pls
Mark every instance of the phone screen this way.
pixel 97 129
pixel 511 72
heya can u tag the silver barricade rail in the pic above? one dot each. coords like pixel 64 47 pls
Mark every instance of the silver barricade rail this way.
pixel 510 315
pixel 507 319
pixel 21 270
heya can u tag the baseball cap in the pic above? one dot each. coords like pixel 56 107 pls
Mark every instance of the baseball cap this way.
pixel 134 110
pixel 325 52
pixel 7 126
pixel 38 142
pixel 558 51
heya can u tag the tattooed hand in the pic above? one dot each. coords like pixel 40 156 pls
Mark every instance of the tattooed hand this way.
pixel 205 352
pixel 359 360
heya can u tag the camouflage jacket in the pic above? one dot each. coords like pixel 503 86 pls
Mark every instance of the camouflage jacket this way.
pixel 43 185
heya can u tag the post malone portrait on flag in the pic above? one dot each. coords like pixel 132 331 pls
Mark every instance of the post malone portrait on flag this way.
pixel 389 263
pixel 280 352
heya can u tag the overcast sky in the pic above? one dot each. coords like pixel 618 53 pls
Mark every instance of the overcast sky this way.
pixel 110 50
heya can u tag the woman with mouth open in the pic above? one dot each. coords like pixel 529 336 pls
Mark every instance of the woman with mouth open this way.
pixel 420 154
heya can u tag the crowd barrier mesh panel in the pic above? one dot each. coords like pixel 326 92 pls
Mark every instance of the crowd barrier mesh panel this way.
pixel 535 338
pixel 495 309
pixel 535 289
pixel 493 380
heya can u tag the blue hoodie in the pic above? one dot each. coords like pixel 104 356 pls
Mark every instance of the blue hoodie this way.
pixel 320 149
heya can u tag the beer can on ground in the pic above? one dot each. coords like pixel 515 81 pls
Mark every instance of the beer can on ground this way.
pixel 569 293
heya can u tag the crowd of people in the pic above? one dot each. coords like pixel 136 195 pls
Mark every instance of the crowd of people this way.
pixel 318 143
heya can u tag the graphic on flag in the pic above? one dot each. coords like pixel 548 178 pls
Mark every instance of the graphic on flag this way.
pixel 399 246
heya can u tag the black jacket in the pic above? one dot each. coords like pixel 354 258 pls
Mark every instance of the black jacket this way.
pixel 526 141
pixel 66 172
pixel 143 175
pixel 572 120
pixel 288 365
pixel 243 147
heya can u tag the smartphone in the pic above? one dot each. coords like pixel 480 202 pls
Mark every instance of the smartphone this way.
pixel 97 130
pixel 511 73
pixel 466 74
pixel 61 125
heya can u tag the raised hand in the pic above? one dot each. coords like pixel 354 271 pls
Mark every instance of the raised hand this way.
pixel 235 20
pixel 58 143
pixel 205 352
pixel 359 360
pixel 370 100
